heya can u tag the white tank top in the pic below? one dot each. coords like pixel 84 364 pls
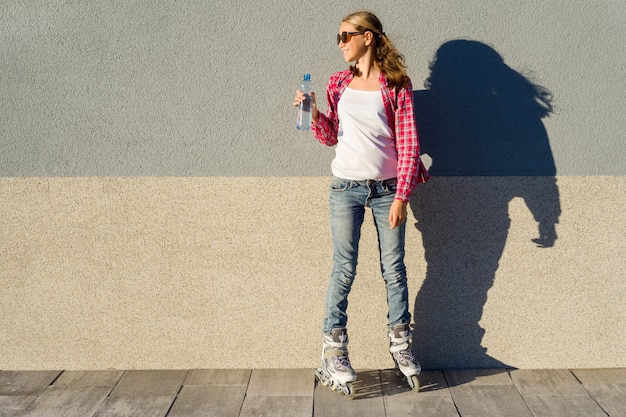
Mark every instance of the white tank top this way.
pixel 366 149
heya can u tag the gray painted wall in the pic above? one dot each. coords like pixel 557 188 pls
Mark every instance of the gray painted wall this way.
pixel 193 88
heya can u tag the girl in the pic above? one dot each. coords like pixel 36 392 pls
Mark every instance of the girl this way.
pixel 370 120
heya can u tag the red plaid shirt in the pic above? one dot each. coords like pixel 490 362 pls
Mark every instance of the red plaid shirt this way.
pixel 399 108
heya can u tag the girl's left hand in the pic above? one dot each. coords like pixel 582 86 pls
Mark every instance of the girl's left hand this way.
pixel 397 213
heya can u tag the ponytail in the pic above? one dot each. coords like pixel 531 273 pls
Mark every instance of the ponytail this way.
pixel 391 62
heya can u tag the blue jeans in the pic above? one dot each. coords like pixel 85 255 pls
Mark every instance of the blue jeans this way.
pixel 348 200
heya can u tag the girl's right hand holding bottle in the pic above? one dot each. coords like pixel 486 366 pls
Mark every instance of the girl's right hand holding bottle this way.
pixel 300 98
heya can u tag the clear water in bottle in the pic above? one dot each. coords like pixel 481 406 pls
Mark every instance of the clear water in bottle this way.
pixel 303 121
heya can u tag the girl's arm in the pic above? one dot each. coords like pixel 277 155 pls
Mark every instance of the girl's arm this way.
pixel 326 126
pixel 407 144
pixel 323 128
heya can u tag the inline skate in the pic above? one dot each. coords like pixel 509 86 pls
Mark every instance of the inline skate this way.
pixel 336 370
pixel 407 367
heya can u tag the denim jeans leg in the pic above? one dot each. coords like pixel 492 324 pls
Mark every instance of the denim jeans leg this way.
pixel 391 245
pixel 347 210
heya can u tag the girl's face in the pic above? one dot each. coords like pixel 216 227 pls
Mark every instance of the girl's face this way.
pixel 354 48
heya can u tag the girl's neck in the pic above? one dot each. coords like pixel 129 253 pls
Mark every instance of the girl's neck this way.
pixel 367 79
pixel 367 67
pixel 368 73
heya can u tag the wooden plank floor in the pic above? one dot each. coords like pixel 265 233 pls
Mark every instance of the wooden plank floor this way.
pixel 294 393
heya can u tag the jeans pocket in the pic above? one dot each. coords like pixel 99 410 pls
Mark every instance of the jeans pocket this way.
pixel 339 184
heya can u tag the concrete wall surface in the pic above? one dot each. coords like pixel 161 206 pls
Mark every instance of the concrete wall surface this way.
pixel 159 210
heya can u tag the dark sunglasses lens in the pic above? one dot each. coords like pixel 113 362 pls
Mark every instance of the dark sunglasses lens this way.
pixel 344 37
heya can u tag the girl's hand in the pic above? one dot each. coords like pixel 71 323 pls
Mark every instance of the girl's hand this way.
pixel 300 98
pixel 397 213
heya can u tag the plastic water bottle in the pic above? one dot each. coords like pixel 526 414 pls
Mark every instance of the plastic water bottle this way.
pixel 303 121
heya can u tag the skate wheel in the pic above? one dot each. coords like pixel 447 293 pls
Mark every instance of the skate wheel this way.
pixel 321 377
pixel 349 390
pixel 414 383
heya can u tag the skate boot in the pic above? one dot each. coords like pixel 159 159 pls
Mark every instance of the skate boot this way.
pixel 407 367
pixel 336 370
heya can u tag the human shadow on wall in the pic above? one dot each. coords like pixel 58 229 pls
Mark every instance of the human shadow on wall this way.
pixel 477 118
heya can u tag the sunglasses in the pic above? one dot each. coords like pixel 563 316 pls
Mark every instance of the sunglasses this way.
pixel 345 37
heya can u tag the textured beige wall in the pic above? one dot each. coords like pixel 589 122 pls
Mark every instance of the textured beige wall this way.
pixel 231 272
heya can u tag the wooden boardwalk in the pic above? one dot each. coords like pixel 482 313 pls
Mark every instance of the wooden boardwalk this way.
pixel 294 393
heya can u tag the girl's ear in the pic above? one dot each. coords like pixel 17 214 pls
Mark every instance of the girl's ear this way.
pixel 369 37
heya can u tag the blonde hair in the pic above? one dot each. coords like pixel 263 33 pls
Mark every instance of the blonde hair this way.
pixel 388 59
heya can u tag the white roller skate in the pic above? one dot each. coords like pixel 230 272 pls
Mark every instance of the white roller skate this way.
pixel 407 367
pixel 336 370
